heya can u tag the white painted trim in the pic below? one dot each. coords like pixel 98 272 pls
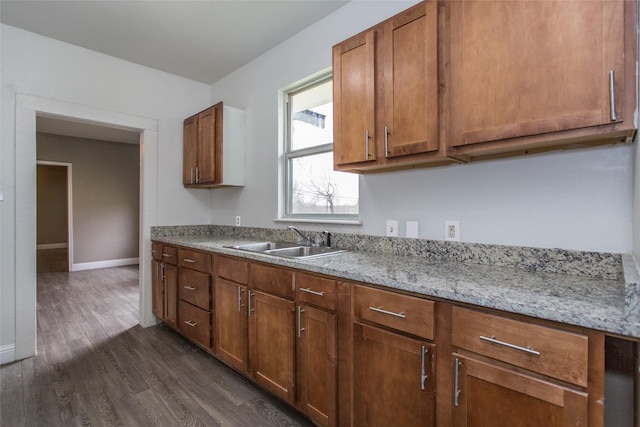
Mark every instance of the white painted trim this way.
pixel 45 246
pixel 7 354
pixel 105 264
pixel 27 107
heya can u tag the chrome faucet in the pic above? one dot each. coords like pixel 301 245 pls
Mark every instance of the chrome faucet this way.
pixel 305 238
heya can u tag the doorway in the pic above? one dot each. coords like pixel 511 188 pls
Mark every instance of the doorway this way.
pixel 54 212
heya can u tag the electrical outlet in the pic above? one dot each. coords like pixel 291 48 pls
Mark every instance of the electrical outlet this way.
pixel 238 222
pixel 392 228
pixel 452 230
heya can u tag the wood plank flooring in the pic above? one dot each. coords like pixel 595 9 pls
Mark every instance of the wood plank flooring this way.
pixel 96 367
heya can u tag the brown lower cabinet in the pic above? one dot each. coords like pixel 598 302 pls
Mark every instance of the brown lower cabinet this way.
pixel 353 354
pixel 490 395
pixel 164 285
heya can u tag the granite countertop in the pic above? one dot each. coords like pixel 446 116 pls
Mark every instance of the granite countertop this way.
pixel 609 305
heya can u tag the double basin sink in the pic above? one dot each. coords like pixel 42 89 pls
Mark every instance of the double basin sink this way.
pixel 288 249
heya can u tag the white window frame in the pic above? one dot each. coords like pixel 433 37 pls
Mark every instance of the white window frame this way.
pixel 289 155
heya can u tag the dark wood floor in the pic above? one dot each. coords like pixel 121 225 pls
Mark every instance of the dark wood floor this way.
pixel 95 366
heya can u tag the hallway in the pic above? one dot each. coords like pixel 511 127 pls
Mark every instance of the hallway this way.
pixel 95 366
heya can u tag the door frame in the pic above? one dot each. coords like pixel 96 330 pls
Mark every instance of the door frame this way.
pixel 27 108
pixel 69 167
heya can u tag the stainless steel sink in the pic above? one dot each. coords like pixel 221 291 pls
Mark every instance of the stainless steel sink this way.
pixel 288 250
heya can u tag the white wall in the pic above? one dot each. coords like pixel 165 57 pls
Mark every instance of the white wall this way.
pixel 53 73
pixel 572 200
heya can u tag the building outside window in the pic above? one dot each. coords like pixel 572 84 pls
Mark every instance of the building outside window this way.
pixel 313 189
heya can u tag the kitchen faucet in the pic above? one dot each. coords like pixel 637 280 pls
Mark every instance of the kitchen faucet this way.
pixel 305 238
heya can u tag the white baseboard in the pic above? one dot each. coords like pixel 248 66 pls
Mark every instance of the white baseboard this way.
pixel 52 246
pixel 7 354
pixel 104 264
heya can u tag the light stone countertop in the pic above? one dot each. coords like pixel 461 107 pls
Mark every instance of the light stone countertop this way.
pixel 606 305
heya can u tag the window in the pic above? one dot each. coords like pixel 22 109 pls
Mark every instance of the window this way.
pixel 312 188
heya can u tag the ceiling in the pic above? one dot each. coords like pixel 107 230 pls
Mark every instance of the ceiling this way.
pixel 200 40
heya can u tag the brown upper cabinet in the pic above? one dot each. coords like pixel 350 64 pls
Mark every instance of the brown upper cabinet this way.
pixel 484 78
pixel 532 75
pixel 386 93
pixel 214 148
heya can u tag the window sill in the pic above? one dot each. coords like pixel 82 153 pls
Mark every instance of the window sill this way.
pixel 319 221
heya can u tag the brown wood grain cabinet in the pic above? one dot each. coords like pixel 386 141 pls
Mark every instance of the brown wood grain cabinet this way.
pixel 527 76
pixel 271 314
pixel 214 148
pixel 317 348
pixel 195 296
pixel 164 283
pixel 386 94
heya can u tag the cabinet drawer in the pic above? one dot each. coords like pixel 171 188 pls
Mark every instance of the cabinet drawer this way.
pixel 195 323
pixel 404 313
pixel 156 251
pixel 169 255
pixel 559 354
pixel 272 280
pixel 232 269
pixel 195 287
pixel 316 290
pixel 194 260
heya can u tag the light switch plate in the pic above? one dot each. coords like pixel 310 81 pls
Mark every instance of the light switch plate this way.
pixel 392 228
pixel 412 229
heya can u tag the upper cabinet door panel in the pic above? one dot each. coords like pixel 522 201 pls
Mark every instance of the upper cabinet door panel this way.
pixel 522 68
pixel 208 122
pixel 411 81
pixel 190 138
pixel 354 99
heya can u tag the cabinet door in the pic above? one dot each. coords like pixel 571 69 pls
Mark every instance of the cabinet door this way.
pixel 488 395
pixel 317 364
pixel 354 86
pixel 190 149
pixel 209 147
pixel 393 379
pixel 171 295
pixel 157 289
pixel 231 323
pixel 271 343
pixel 522 68
pixel 411 81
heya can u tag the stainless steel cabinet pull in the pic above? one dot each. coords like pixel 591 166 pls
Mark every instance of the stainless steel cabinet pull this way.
pixel 423 375
pixel 251 294
pixel 190 288
pixel 386 142
pixel 167 255
pixel 456 387
pixel 612 95
pixel 240 304
pixel 153 251
pixel 190 323
pixel 300 328
pixel 390 313
pixel 493 340
pixel 189 260
pixel 312 292
pixel 366 145
pixel 197 175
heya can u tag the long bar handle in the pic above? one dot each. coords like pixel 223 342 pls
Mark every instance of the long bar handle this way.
pixel 190 260
pixel 386 142
pixel 240 304
pixel 493 340
pixel 191 323
pixel 456 386
pixel 612 95
pixel 251 294
pixel 167 255
pixel 366 144
pixel 312 292
pixel 389 313
pixel 300 328
pixel 189 288
pixel 423 375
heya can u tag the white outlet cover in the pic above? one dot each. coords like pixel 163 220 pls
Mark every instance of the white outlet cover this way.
pixel 452 231
pixel 238 221
pixel 392 228
pixel 412 229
